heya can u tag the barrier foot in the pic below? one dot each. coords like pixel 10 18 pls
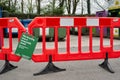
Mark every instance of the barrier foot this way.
pixel 7 66
pixel 49 68
pixel 105 65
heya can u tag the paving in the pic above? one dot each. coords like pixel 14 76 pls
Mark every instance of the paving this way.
pixel 75 70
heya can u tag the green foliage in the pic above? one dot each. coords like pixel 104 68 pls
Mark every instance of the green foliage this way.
pixel 50 9
pixel 58 11
pixel 5 6
pixel 23 16
pixel 30 6
pixel 3 3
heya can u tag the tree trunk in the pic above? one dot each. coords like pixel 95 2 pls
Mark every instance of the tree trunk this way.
pixel 39 7
pixel 53 6
pixel 30 6
pixel 15 2
pixel 88 7
pixel 75 2
pixel 61 3
pixel 82 7
pixel 68 6
pixel 22 6
pixel 9 3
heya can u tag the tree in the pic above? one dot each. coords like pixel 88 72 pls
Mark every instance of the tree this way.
pixel 9 1
pixel 82 8
pixel 68 6
pixel 8 6
pixel 4 3
pixel 99 4
pixel 22 6
pixel 88 7
pixel 61 3
pixel 38 6
pixel 53 5
pixel 15 2
pixel 30 7
pixel 52 9
pixel 71 6
pixel 75 2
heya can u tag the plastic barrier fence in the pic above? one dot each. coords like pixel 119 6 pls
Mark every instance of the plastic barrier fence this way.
pixel 104 52
pixel 6 53
pixel 52 54
pixel 57 22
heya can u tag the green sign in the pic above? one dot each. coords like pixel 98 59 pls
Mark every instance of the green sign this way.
pixel 26 46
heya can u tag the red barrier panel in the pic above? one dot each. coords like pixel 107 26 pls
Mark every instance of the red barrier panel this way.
pixel 67 22
pixel 9 23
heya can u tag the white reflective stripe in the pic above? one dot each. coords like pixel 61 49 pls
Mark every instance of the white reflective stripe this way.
pixel 14 30
pixel 46 31
pixel 66 22
pixel 92 22
pixel 76 29
pixel 40 31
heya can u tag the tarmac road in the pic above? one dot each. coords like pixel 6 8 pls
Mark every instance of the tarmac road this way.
pixel 75 70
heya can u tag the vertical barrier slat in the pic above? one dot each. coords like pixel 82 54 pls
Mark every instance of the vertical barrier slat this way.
pixel 68 40
pixel 101 37
pixel 111 37
pixel 10 38
pixel 79 39
pixel 90 41
pixel 43 40
pixel 2 35
pixel 56 39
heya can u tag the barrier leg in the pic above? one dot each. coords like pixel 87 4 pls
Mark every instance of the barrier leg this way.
pixel 7 66
pixel 49 68
pixel 105 65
